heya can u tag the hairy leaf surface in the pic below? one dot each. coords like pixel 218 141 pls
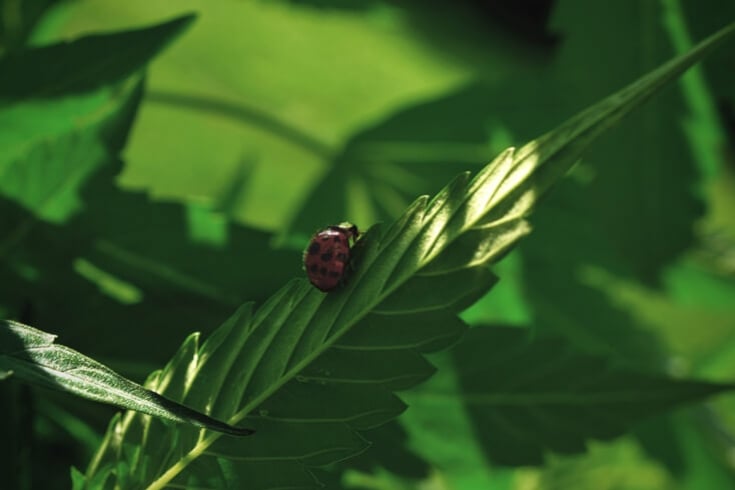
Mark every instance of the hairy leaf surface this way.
pixel 31 355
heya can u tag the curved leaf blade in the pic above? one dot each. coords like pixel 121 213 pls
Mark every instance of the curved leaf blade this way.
pixel 32 356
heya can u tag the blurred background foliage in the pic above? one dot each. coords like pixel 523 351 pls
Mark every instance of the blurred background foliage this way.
pixel 267 120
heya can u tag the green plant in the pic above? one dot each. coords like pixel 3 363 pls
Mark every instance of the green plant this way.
pixel 314 374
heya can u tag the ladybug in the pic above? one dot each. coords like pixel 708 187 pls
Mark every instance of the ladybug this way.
pixel 327 256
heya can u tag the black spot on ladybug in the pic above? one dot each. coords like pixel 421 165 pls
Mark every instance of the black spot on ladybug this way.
pixel 327 257
pixel 337 240
pixel 334 274
pixel 314 248
pixel 314 268
pixel 323 271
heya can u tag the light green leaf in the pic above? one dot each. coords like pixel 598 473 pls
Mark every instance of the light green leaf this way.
pixel 270 366
pixel 61 123
pixel 33 356
pixel 288 125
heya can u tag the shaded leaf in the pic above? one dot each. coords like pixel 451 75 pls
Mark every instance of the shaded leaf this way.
pixel 85 63
pixel 61 122
pixel 121 256
pixel 382 168
pixel 529 397
pixel 14 34
pixel 49 155
pixel 33 356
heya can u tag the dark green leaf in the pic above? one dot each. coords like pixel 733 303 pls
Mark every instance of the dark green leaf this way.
pixel 529 397
pixel 381 169
pixel 84 64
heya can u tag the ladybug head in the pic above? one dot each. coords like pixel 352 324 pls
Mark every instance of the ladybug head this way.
pixel 348 228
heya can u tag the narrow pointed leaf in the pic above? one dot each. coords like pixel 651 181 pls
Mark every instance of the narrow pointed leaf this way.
pixel 33 356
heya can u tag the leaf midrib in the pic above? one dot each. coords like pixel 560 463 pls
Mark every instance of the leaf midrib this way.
pixel 557 398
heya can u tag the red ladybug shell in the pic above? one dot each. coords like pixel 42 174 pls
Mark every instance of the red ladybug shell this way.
pixel 326 257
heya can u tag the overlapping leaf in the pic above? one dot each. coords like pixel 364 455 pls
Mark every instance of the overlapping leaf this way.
pixel 84 64
pixel 33 356
pixel 61 119
pixel 119 255
pixel 279 368
pixel 527 398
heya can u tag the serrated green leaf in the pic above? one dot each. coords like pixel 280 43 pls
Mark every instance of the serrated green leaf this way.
pixel 55 145
pixel 159 278
pixel 64 121
pixel 379 170
pixel 33 356
pixel 118 252
pixel 240 374
pixel 85 63
pixel 529 397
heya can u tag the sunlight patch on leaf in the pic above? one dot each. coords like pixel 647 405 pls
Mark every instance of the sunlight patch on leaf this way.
pixel 110 285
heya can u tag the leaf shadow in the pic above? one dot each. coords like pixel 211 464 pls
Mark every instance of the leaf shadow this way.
pixel 125 281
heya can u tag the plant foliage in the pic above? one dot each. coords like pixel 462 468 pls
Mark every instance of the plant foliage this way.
pixel 288 368
pixel 32 356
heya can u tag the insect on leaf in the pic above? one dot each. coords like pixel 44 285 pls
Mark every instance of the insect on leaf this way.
pixel 280 369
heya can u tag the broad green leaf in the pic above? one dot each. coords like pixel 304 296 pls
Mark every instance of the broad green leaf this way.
pixel 389 450
pixel 132 261
pixel 84 64
pixel 266 367
pixel 119 253
pixel 605 467
pixel 33 357
pixel 644 167
pixel 441 431
pixel 63 122
pixel 505 398
pixel 283 122
pixel 381 168
pixel 18 22
pixel 529 397
pixel 49 155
